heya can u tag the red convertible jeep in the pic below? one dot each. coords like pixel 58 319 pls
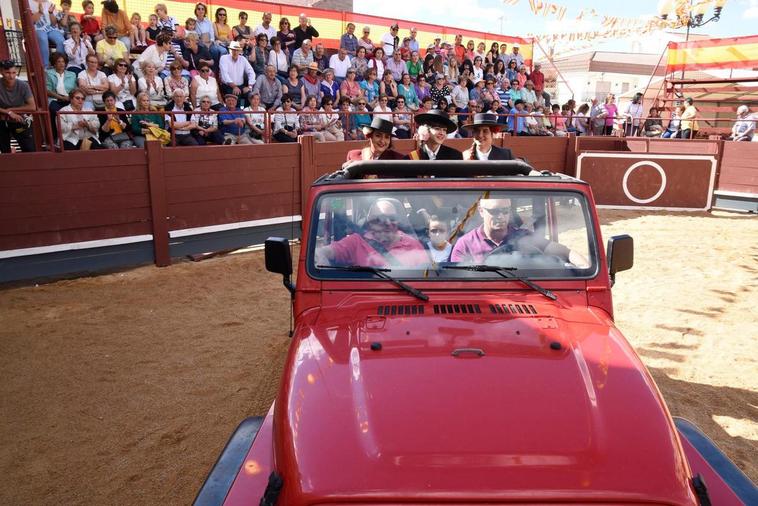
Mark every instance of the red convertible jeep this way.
pixel 454 343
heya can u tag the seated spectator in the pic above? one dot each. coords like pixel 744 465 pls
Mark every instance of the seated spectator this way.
pixel 222 32
pixel 382 109
pixel 90 24
pixel 195 54
pixel 152 84
pixel 294 87
pixel 496 107
pixel 558 122
pixel 440 89
pixel 286 36
pixel 581 120
pixel 348 41
pixel 112 16
pixel 92 82
pixel 79 131
pixel 477 92
pixel 543 127
pixel 16 95
pixel 164 20
pixel 517 119
pixel 452 70
pixel 488 94
pixel 77 48
pixel 350 88
pixel 362 117
pixel 478 72
pixel 407 90
pixel 672 130
pixel 64 18
pixel 370 88
pixel 286 121
pixel 320 57
pixel 181 120
pixel 207 131
pixel 60 83
pixel 332 126
pixel 259 54
pixel 255 118
pixel 269 88
pixel 597 117
pixel 388 87
pixel 310 121
pixel 312 81
pixel 528 95
pixel 232 121
pixel 153 30
pixel 175 81
pixel 278 58
pixel 114 127
pixel 244 32
pixel 139 36
pixel 205 85
pixel 360 63
pixel 414 66
pixel 46 28
pixel 111 49
pixel 349 128
pixel 266 26
pixel 405 49
pixel 340 63
pixel 390 40
pixel 365 40
pixel 653 126
pixel 143 119
pixel 744 127
pixel 396 66
pixel 378 61
pixel 303 57
pixel 402 119
pixel 157 54
pixel 427 104
pixel 511 71
pixel 516 55
pixel 514 93
pixel 237 76
pixel 329 87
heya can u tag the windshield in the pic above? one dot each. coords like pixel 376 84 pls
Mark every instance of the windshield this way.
pixel 424 234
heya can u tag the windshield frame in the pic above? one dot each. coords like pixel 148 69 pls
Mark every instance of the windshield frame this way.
pixel 435 276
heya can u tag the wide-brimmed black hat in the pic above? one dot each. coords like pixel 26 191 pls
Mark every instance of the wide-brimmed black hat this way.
pixel 484 119
pixel 436 117
pixel 380 124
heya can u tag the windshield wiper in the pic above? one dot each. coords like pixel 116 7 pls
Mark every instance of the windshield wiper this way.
pixel 382 273
pixel 507 273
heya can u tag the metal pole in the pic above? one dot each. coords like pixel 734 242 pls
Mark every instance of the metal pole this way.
pixel 550 59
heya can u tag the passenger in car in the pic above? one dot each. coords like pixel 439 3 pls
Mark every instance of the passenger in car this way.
pixel 439 232
pixel 381 243
pixel 379 135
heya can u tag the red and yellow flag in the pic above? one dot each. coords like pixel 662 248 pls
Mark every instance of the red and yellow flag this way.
pixel 726 53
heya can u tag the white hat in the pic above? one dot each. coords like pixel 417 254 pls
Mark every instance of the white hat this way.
pixel 235 46
pixel 743 109
pixel 515 46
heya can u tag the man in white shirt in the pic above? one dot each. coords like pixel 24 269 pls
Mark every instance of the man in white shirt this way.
pixel 515 55
pixel 633 113
pixel 237 76
pixel 340 62
pixel 414 42
pixel 266 27
pixel 390 40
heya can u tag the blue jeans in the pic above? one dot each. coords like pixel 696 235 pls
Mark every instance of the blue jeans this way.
pixel 43 39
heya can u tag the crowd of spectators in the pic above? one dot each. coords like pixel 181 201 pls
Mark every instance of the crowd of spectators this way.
pixel 219 81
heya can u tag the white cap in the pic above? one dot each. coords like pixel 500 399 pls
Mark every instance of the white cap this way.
pixel 743 109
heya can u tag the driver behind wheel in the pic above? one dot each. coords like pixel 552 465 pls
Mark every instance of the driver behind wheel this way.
pixel 381 243
pixel 499 232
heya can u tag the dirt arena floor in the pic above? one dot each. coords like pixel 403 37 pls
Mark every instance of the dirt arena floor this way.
pixel 123 388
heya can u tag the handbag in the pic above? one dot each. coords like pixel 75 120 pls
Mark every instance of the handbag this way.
pixel 121 137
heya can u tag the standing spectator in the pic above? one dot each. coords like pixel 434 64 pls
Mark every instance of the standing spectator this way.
pixel 286 36
pixel 481 51
pixel 278 58
pixel 340 62
pixel 365 40
pixel 89 22
pixel 195 54
pixel 330 87
pixel 157 54
pixel 370 88
pixel 255 118
pixel 113 127
pixel 388 87
pixel 413 42
pixel 181 119
pixel 144 119
pixel 286 121
pixel 459 48
pixel 414 66
pixel 406 90
pixel 689 125
pixel 632 116
pixel 303 57
pixel 492 55
pixel 164 20
pixel 611 113
pixel 45 27
pixel 348 41
pixel 390 40
pixel 538 78
pixel 581 120
pixel 269 88
pixel 312 82
pixel 92 82
pixel 396 66
pixel 360 63
pixel 293 87
pixel 232 121
pixel 60 83
pixel 242 30
pixel 207 131
pixel 597 117
pixel 152 85
pixel 516 55
pixel 470 51
pixel 259 54
pixel 79 131
pixel 111 15
pixel 237 76
pixel 304 31
pixel 320 57
pixel 123 85
pixel 350 88
pixel 378 61
pixel 744 127
pixel 77 48
pixel 504 56
pixel 266 27
pixel 111 48
pixel 15 95
pixel 205 85
pixel 653 126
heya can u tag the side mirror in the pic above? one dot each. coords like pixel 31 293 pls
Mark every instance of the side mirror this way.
pixel 620 253
pixel 279 260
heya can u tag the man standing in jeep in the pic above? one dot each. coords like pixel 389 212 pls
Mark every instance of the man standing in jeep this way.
pixel 380 244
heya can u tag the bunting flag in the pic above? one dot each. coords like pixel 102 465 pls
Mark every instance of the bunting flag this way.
pixel 727 53
pixel 512 3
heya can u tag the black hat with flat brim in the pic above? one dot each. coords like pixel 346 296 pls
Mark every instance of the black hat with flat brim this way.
pixel 483 119
pixel 379 125
pixel 436 117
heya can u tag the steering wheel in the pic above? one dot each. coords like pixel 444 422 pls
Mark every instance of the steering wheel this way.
pixel 524 251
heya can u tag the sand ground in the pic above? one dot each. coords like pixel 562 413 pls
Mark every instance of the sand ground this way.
pixel 123 388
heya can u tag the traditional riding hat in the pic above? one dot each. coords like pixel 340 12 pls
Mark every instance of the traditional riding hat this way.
pixel 379 124
pixel 314 66
pixel 436 117
pixel 484 119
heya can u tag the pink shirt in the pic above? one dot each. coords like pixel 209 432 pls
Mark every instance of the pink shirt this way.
pixel 354 250
pixel 612 110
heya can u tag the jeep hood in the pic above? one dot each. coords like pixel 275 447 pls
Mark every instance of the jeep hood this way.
pixel 547 404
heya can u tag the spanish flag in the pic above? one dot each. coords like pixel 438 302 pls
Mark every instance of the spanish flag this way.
pixel 727 53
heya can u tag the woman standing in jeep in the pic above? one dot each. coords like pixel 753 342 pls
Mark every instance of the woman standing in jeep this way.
pixel 379 136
